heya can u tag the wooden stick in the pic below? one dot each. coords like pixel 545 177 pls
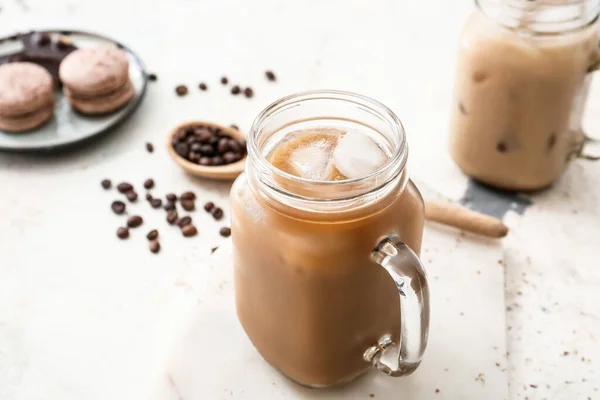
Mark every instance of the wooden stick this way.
pixel 465 219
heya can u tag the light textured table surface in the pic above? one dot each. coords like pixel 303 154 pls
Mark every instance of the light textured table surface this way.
pixel 402 54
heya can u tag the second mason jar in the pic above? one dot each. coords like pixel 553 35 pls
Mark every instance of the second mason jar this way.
pixel 328 282
pixel 522 80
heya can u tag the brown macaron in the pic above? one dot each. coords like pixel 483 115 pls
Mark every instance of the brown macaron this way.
pixel 96 80
pixel 26 96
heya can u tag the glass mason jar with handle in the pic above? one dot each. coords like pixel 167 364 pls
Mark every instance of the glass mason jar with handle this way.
pixel 524 69
pixel 328 281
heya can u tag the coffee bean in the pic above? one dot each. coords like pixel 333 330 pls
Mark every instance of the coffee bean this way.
pixel 154 246
pixel 149 197
pixel 209 206
pixel 270 76
pixel 196 147
pixel 183 221
pixel 194 157
pixel 118 207
pixel 131 196
pixel 203 86
pixel 204 161
pixel 172 217
pixel 230 157
pixel 235 90
pixel 223 146
pixel 217 213
pixel 188 196
pixel 149 183
pixel 189 131
pixel 156 203
pixel 106 183
pixel 234 146
pixel 189 230
pixel 123 233
pixel 172 197
pixel 149 147
pixel 224 80
pixel 188 205
pixel 169 206
pixel 242 144
pixel 182 149
pixel 225 231
pixel 235 127
pixel 213 140
pixel 134 221
pixel 248 92
pixel 124 187
pixel 181 90
pixel 153 234
pixel 217 160
pixel 207 150
pixel 152 77
pixel 203 137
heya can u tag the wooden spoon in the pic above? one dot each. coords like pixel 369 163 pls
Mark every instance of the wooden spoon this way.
pixel 220 172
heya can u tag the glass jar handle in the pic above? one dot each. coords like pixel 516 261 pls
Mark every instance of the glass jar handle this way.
pixel 408 273
pixel 589 148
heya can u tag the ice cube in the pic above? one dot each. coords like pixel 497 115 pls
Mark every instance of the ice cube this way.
pixel 357 155
pixel 311 162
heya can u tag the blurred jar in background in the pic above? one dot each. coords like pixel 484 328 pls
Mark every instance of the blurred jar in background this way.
pixel 522 80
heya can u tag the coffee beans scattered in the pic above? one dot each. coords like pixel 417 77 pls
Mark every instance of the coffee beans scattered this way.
pixel 189 230
pixel 149 147
pixel 106 183
pixel 224 80
pixel 169 206
pixel 203 86
pixel 270 76
pixel 188 205
pixel 172 197
pixel 208 145
pixel 209 206
pixel 149 183
pixel 181 90
pixel 152 77
pixel 131 196
pixel 149 197
pixel 183 221
pixel 172 216
pixel 118 207
pixel 154 246
pixel 134 221
pixel 225 231
pixel 248 92
pixel 122 233
pixel 153 234
pixel 235 90
pixel 124 187
pixel 156 203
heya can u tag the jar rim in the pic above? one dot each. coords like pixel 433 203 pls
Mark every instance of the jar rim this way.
pixel 383 175
pixel 520 15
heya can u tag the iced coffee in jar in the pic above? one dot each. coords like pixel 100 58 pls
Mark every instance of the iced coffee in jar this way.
pixel 327 228
pixel 523 74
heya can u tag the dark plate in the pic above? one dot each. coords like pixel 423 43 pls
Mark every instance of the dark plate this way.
pixel 67 127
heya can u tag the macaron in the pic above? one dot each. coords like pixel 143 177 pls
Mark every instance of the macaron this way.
pixel 26 96
pixel 96 79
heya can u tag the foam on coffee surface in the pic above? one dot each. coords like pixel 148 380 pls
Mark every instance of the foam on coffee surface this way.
pixel 328 155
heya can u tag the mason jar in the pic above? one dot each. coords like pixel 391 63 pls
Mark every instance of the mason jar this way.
pixel 328 281
pixel 524 69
